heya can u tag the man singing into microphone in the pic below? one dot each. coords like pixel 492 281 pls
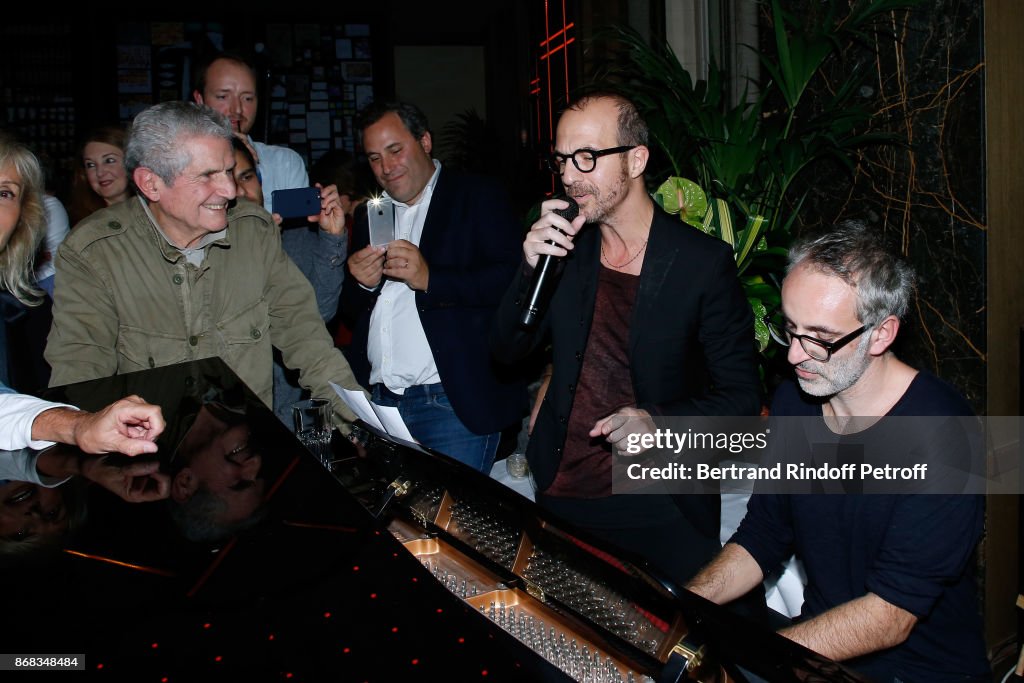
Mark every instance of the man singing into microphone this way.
pixel 647 319
pixel 423 304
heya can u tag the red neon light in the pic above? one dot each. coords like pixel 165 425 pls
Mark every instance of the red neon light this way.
pixel 556 49
pixel 550 38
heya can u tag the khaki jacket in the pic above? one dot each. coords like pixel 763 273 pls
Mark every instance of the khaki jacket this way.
pixel 126 300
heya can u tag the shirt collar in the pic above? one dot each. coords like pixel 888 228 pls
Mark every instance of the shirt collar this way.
pixel 204 241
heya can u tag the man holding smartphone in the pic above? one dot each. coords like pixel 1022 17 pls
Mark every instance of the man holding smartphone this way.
pixel 423 303
pixel 227 84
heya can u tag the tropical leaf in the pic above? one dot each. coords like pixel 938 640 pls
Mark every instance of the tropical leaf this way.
pixel 684 197
pixel 761 334
pixel 761 290
pixel 748 240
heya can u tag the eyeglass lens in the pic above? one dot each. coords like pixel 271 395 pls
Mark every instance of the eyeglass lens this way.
pixel 810 347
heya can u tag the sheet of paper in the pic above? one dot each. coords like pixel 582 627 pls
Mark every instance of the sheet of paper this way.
pixel 392 421
pixel 386 419
pixel 360 405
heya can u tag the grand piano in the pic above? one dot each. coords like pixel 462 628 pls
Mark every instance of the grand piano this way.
pixel 265 565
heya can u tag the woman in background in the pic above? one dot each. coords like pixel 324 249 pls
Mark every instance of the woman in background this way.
pixel 28 325
pixel 101 178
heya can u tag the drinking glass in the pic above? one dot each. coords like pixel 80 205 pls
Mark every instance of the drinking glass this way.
pixel 313 427
pixel 516 465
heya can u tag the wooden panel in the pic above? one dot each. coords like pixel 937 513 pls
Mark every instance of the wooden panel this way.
pixel 1004 102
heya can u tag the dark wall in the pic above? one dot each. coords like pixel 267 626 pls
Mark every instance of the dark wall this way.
pixel 82 56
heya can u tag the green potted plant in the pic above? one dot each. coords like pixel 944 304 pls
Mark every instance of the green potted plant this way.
pixel 737 170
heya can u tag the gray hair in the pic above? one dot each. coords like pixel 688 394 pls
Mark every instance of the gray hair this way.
pixel 155 136
pixel 852 252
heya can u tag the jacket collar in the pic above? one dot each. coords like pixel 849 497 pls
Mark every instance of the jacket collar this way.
pixel 658 261
pixel 437 206
pixel 170 252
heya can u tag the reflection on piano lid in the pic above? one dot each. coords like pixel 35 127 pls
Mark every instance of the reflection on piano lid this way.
pixel 401 566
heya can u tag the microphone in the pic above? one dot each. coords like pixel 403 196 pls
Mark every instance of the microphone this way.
pixel 545 276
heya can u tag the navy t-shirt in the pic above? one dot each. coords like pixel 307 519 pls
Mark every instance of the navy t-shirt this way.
pixel 913 551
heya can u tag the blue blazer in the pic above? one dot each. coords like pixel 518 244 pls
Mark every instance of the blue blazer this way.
pixel 472 243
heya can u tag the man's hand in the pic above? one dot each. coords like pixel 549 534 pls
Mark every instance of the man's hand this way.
pixel 332 216
pixel 551 227
pixel 367 265
pixel 865 624
pixel 617 427
pixel 128 426
pixel 405 263
pixel 135 482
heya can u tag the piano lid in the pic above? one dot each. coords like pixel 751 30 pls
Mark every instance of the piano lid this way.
pixel 261 564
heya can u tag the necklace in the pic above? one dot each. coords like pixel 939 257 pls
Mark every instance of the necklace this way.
pixel 631 258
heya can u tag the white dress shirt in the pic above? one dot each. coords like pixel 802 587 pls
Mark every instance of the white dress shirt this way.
pixel 17 413
pixel 18 450
pixel 397 347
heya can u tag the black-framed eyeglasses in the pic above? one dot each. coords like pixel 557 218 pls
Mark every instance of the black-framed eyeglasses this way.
pixel 585 160
pixel 818 349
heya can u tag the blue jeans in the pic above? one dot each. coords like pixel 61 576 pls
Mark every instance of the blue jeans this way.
pixel 431 420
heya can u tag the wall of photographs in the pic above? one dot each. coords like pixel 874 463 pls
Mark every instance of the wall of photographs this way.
pixel 313 77
pixel 319 77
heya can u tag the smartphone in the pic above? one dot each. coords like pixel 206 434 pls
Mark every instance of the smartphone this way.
pixel 301 201
pixel 381 212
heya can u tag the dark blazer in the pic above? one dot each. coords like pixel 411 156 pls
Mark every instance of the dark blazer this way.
pixel 472 243
pixel 691 341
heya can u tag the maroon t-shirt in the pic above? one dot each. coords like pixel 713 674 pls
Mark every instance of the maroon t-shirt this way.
pixel 605 385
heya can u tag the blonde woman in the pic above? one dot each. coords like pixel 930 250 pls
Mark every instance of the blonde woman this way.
pixel 128 426
pixel 22 220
